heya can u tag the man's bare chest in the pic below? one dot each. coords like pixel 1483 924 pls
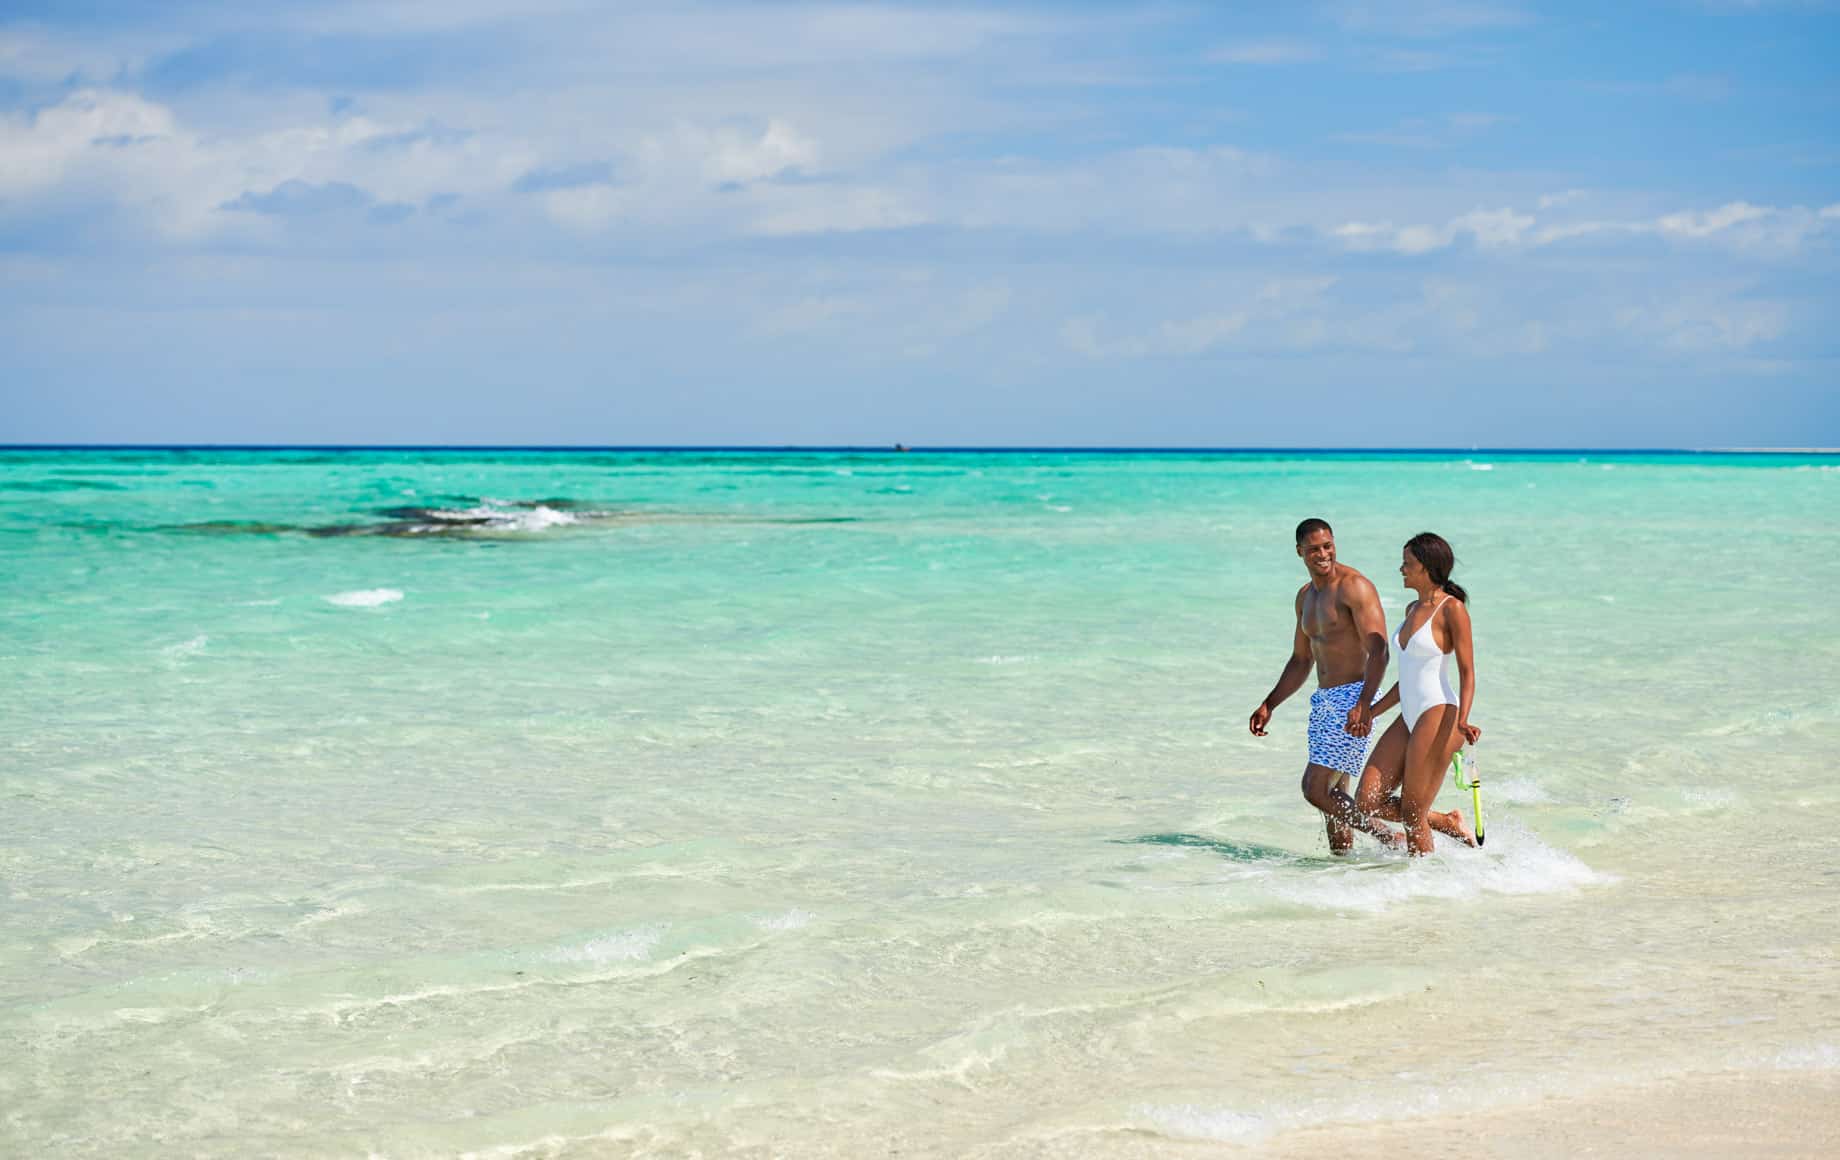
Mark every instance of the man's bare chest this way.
pixel 1323 616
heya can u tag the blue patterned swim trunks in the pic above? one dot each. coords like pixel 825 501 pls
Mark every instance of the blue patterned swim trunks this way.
pixel 1331 744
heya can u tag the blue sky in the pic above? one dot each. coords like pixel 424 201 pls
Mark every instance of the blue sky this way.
pixel 472 221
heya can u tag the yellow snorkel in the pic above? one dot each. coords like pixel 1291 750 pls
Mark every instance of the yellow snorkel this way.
pixel 1462 762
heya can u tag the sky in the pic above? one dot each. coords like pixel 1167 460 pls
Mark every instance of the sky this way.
pixel 1421 223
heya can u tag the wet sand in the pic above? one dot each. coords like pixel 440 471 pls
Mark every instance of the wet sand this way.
pixel 1778 1116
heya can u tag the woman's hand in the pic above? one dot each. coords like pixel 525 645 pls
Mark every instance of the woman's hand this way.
pixel 1360 719
pixel 1470 733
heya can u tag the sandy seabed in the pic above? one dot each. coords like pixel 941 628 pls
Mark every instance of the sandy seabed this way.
pixel 1775 1116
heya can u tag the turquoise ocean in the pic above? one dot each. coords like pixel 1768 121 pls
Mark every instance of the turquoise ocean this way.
pixel 835 804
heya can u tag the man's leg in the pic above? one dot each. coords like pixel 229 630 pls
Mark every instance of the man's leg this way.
pixel 1341 834
pixel 1325 789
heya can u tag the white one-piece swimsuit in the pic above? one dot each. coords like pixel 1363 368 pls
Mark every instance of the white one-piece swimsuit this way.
pixel 1423 681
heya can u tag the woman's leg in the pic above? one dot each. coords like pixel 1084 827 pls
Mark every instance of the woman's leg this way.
pixel 1428 751
pixel 1386 768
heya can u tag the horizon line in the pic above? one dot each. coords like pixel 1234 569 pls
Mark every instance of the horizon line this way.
pixel 895 448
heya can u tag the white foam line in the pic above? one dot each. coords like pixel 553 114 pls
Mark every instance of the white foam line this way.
pixel 555 1143
pixel 501 887
pixel 793 919
pixel 1812 1057
pixel 342 1009
pixel 1514 863
pixel 365 597
pixel 568 884
pixel 624 946
pixel 188 648
pixel 331 913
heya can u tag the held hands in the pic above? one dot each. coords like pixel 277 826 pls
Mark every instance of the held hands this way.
pixel 1470 733
pixel 1360 719
pixel 1261 717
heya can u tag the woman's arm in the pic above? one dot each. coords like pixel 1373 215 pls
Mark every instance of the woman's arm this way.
pixel 1457 621
pixel 1388 701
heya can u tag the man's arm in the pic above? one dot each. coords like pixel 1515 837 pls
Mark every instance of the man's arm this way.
pixel 1363 602
pixel 1296 671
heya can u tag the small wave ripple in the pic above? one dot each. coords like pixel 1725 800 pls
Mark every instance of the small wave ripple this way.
pixel 366 598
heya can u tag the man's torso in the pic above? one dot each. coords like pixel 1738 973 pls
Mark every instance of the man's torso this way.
pixel 1335 638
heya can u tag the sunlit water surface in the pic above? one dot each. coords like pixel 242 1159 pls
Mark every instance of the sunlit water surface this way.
pixel 581 804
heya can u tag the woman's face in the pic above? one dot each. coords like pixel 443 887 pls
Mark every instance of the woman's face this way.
pixel 1411 571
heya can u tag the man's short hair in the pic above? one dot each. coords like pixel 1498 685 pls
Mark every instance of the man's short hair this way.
pixel 1312 526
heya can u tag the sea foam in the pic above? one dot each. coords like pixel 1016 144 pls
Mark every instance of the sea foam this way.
pixel 622 947
pixel 192 647
pixel 366 598
pixel 1512 862
pixel 493 515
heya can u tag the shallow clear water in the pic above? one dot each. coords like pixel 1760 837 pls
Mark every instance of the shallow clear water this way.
pixel 844 804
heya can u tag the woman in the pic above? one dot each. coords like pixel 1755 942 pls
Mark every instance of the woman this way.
pixel 1434 721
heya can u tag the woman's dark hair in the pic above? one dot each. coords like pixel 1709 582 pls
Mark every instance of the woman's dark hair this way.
pixel 1433 551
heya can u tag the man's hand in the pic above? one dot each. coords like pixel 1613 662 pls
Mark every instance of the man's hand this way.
pixel 1360 719
pixel 1261 717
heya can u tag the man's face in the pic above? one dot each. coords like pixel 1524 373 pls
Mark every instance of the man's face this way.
pixel 1318 552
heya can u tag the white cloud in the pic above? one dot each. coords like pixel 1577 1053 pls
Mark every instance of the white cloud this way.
pixel 822 209
pixel 1420 239
pixel 1547 235
pixel 1487 228
pixel 723 178
pixel 733 156
pixel 118 148
pixel 33 57
pixel 38 150
pixel 586 208
pixel 785 153
pixel 1741 226
pixel 1705 323
pixel 1498 227
pixel 1763 230
pixel 1281 313
pixel 1703 225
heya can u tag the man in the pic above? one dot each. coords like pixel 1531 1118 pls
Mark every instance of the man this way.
pixel 1341 632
